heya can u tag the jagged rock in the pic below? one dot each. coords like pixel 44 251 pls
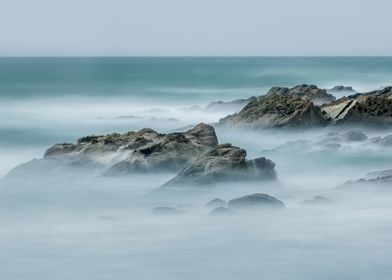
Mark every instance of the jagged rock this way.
pixel 255 201
pixel 220 211
pixel 361 110
pixel 277 111
pixel 385 92
pixel 222 164
pixel 217 202
pixel 164 211
pixel 342 89
pixel 229 106
pixel 317 200
pixel 145 150
pixel 306 92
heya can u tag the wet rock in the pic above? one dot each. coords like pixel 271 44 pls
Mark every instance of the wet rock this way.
pixel 256 200
pixel 115 154
pixel 224 163
pixel 217 202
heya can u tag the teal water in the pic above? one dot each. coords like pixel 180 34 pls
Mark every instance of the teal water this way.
pixel 180 79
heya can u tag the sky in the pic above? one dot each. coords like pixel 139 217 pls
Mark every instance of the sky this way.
pixel 195 27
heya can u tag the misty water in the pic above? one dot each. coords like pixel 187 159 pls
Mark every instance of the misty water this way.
pixel 82 226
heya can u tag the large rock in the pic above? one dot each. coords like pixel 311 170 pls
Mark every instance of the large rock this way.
pixel 228 106
pixel 306 92
pixel 225 163
pixel 145 150
pixel 361 110
pixel 342 90
pixel 256 200
pixel 277 110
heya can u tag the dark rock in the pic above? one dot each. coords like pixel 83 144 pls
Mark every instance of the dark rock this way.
pixel 113 154
pixel 317 200
pixel 230 106
pixel 225 163
pixel 164 211
pixel 255 201
pixel 342 89
pixel 277 111
pixel 355 136
pixel 220 211
pixel 217 202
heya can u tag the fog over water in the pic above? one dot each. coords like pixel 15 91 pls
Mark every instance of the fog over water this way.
pixel 81 226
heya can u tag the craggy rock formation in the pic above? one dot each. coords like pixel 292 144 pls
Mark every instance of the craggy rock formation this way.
pixel 306 92
pixel 317 200
pixel 217 202
pixel 225 163
pixel 229 106
pixel 256 200
pixel 277 111
pixel 361 110
pixel 145 150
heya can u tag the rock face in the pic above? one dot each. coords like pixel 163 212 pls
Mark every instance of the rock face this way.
pixel 361 110
pixel 145 150
pixel 256 200
pixel 277 110
pixel 229 106
pixel 306 92
pixel 225 163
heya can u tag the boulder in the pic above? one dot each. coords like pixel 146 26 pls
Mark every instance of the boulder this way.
pixel 256 200
pixel 142 151
pixel 225 163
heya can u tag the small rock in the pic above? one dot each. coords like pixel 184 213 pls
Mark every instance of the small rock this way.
pixel 255 201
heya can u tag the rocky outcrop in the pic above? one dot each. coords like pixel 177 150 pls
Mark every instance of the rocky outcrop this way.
pixel 256 200
pixel 306 92
pixel 225 163
pixel 385 92
pixel 277 110
pixel 145 150
pixel 361 110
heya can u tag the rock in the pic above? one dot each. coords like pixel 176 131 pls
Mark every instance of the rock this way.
pixel 361 110
pixel 385 92
pixel 256 200
pixel 142 151
pixel 217 202
pixel 228 107
pixel 220 211
pixel 224 163
pixel 342 89
pixel 164 211
pixel 306 92
pixel 355 136
pixel 277 111
pixel 374 179
pixel 317 200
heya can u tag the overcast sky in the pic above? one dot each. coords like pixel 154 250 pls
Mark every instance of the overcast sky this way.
pixel 195 27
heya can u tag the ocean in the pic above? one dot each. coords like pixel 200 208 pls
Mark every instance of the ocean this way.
pixel 101 228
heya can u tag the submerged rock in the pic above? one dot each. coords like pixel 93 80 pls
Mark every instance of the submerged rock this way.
pixel 164 211
pixel 145 150
pixel 317 200
pixel 224 163
pixel 255 201
pixel 217 202
pixel 220 211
